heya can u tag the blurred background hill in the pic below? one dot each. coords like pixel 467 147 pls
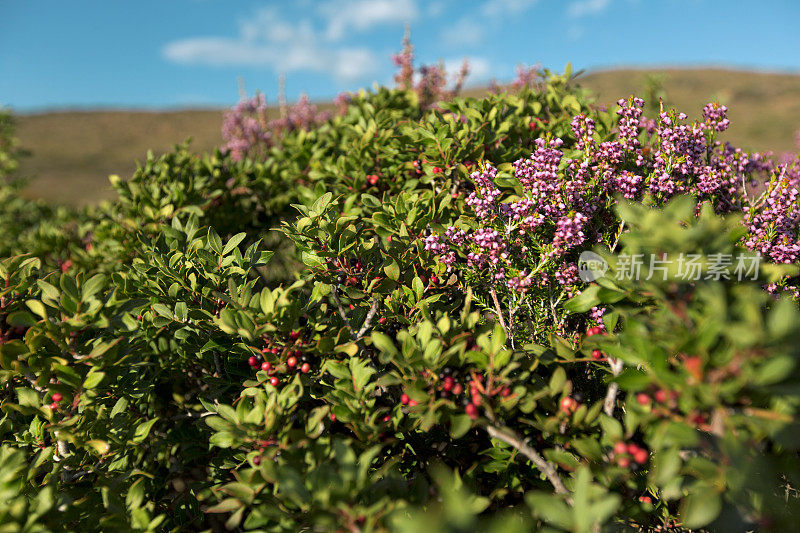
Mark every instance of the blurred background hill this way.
pixel 73 152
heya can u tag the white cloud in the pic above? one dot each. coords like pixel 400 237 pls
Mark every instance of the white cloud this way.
pixel 496 8
pixel 480 69
pixel 360 15
pixel 267 40
pixel 583 8
pixel 466 31
pixel 435 8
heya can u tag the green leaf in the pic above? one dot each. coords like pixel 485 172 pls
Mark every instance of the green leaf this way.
pixel 37 307
pixel 93 380
pixel 163 310
pixel 384 343
pixel 583 301
pixel 143 430
pixel 700 507
pixel 101 447
pixel 233 242
pixel 92 286
pixel 21 319
pixel 392 270
pixel 459 425
pixel 214 241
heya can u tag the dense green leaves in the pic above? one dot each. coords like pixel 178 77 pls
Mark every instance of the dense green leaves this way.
pixel 267 345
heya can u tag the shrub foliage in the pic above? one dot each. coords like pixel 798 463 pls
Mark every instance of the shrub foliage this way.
pixel 374 321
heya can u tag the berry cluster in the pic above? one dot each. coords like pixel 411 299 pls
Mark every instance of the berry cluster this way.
pixel 626 454
pixel 289 354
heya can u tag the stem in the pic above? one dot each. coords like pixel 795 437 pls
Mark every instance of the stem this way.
pixel 218 365
pixel 338 302
pixel 619 234
pixel 540 462
pixel 613 388
pixel 373 310
pixel 498 311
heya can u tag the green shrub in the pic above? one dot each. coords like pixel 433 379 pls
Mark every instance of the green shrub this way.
pixel 280 345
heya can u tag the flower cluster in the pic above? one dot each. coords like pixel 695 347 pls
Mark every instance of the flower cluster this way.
pixel 248 131
pixel 527 239
pixel 429 82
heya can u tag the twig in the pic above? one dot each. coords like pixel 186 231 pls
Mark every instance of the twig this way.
pixel 368 321
pixel 613 388
pixel 338 302
pixel 218 364
pixel 540 462
pixel 32 380
pixel 498 311
pixel 619 234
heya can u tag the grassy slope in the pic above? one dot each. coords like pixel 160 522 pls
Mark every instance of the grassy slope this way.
pixel 74 152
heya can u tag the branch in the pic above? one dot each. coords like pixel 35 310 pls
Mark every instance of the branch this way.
pixel 338 302
pixel 373 310
pixel 613 388
pixel 540 462
pixel 619 234
pixel 218 365
pixel 498 310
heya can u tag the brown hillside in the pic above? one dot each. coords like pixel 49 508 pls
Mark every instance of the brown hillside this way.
pixel 72 153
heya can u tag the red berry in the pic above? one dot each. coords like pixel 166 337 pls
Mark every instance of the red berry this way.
pixel 641 456
pixel 698 419
pixel 505 391
pixel 294 335
pixel 275 350
pixel 447 384
pixel 694 365
pixel 472 411
pixel 594 330
pixel 382 320
pixel 476 399
pixel 620 448
pixel 532 125
pixel 265 366
pixel 305 368
pixel 57 397
pixel 643 399
pixel 252 361
pixel 660 396
pixel 291 362
pixel 412 403
pixel 273 381
pixel 458 389
pixel 597 354
pixel 434 280
pixel 645 499
pixel 632 448
pixel 623 461
pixel 568 405
pixel 54 406
pixel 257 460
pixel 436 170
pixel 387 418
pixel 404 399
pixel 372 179
pixel 333 417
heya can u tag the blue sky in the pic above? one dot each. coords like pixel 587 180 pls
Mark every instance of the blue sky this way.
pixel 190 53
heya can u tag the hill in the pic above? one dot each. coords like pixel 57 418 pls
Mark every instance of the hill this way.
pixel 73 152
